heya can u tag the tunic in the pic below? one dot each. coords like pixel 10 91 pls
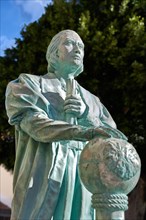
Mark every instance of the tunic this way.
pixel 46 181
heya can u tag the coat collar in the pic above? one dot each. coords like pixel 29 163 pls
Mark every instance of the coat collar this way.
pixel 50 83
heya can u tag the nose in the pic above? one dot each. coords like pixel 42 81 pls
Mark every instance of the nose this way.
pixel 77 48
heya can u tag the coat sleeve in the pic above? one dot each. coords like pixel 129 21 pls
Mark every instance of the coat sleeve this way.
pixel 106 118
pixel 28 110
pixel 96 113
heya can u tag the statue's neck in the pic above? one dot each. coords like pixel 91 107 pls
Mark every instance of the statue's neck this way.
pixel 64 76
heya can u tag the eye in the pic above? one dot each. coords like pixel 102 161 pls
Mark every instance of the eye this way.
pixel 68 43
pixel 81 46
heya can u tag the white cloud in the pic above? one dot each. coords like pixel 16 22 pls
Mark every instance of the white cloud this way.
pixel 33 8
pixel 5 43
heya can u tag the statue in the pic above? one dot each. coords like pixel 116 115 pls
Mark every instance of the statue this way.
pixel 54 118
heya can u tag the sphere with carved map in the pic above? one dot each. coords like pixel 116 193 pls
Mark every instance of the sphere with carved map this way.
pixel 109 166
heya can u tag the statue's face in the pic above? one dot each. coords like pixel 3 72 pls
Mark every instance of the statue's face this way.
pixel 71 50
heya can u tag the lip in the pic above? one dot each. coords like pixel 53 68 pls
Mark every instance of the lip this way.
pixel 77 57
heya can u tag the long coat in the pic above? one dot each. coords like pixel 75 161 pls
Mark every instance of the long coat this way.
pixel 46 182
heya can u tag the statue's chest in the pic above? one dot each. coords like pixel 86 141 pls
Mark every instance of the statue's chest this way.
pixel 56 104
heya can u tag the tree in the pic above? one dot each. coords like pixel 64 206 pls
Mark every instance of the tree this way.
pixel 116 58
pixel 114 36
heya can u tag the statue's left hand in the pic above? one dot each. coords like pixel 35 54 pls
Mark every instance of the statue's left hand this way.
pixel 74 105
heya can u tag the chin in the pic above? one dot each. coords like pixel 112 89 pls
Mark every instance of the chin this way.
pixel 77 63
pixel 75 66
pixel 77 69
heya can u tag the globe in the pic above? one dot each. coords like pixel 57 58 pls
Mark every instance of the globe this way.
pixel 109 166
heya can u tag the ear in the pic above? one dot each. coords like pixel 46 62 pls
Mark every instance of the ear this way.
pixel 57 55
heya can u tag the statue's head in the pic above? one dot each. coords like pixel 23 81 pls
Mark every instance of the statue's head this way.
pixel 66 48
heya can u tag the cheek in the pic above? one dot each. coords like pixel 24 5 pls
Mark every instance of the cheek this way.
pixel 82 54
pixel 65 52
pixel 68 50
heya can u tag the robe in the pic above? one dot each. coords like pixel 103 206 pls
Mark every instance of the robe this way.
pixel 46 182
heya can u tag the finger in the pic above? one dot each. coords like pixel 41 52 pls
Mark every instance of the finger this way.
pixel 71 110
pixel 76 112
pixel 72 101
pixel 72 107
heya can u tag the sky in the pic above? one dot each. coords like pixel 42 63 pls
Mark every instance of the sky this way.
pixel 14 14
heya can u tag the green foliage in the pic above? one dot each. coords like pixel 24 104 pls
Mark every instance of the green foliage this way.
pixel 115 64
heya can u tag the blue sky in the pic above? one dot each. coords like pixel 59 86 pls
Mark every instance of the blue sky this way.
pixel 13 15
